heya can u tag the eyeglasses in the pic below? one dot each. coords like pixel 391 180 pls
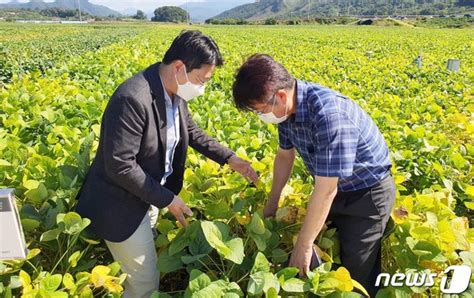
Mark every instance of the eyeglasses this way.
pixel 201 82
pixel 272 99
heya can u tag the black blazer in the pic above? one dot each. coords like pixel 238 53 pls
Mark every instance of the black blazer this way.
pixel 124 178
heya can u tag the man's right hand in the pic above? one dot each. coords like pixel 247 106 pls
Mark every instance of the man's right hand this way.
pixel 271 207
pixel 178 208
pixel 282 167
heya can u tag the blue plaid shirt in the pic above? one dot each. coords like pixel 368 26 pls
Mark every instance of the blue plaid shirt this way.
pixel 335 138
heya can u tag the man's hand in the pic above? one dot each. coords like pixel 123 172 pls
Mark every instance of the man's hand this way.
pixel 243 167
pixel 301 257
pixel 325 190
pixel 271 207
pixel 178 208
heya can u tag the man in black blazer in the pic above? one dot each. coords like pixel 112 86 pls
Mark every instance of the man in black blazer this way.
pixel 145 132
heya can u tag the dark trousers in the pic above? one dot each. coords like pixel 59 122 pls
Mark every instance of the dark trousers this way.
pixel 360 218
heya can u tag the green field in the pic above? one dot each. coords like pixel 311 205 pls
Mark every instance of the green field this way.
pixel 55 82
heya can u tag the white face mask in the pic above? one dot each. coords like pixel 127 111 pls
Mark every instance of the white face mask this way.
pixel 188 90
pixel 271 118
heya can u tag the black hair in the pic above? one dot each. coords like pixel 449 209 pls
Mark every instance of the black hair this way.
pixel 258 79
pixel 194 49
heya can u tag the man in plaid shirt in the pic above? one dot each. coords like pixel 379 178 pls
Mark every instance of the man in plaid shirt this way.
pixel 341 147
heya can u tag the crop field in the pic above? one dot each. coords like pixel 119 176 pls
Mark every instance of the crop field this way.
pixel 56 80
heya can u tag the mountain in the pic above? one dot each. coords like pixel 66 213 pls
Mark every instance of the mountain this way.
pixel 264 9
pixel 201 11
pixel 128 11
pixel 86 6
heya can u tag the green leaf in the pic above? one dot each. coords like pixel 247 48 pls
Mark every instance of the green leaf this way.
pixel 167 263
pixel 260 241
pixel 29 224
pixel 230 289
pixel 198 244
pixel 272 293
pixel 288 272
pixel 256 283
pixel 191 259
pixel 4 163
pixel 50 235
pixel 216 234
pixel 326 243
pixel 261 282
pixel 68 281
pixel 236 247
pixel 74 258
pixel 327 286
pixel 31 184
pixel 214 290
pixel 165 225
pixel 86 292
pixel 198 280
pixel 36 195
pixel 257 225
pixel 218 210
pixel 33 253
pixel 271 282
pixel 51 282
pixel 73 223
pixel 114 268
pixel 458 160
pixel 179 243
pixel 315 282
pixel 261 264
pixel 279 256
pixel 294 285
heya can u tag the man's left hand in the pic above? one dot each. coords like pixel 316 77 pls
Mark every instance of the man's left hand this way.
pixel 301 258
pixel 243 167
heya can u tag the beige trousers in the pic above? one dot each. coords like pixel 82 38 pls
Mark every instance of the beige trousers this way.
pixel 137 257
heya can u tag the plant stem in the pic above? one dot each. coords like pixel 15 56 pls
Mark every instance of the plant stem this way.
pixel 208 269
pixel 243 277
pixel 215 264
pixel 57 264
pixel 33 266
pixel 290 226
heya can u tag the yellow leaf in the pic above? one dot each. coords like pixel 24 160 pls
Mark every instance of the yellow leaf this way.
pixel 99 275
pixel 112 286
pixel 459 226
pixel 470 191
pixel 469 205
pixel 399 214
pixel 324 256
pixel 68 281
pixel 399 179
pixel 25 278
pixel 287 214
pixel 243 219
pixel 360 287
pixel 345 286
pixel 342 274
pixel 86 293
pixel 445 232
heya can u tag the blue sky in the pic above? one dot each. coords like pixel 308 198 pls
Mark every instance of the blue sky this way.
pixel 147 5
